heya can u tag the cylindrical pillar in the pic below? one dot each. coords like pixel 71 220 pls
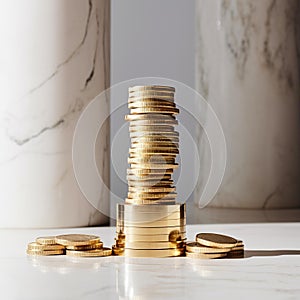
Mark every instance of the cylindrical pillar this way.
pixel 54 61
pixel 248 55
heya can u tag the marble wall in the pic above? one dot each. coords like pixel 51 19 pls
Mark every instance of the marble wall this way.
pixel 248 58
pixel 54 60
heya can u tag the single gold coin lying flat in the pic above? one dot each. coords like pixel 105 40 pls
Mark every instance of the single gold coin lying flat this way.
pixel 145 195
pixel 161 92
pixel 216 240
pixel 86 247
pixel 151 88
pixel 195 247
pixel 46 240
pixel 170 237
pixel 77 239
pixel 148 178
pixel 145 116
pixel 158 223
pixel 152 230
pixel 151 103
pixel 44 252
pixel 40 247
pixel 154 150
pixel 157 189
pixel 237 248
pixel 148 172
pixel 149 110
pixel 150 201
pixel 90 253
pixel 150 183
pixel 154 122
pixel 205 255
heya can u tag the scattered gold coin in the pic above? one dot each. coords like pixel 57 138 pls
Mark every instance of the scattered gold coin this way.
pixel 205 255
pixel 46 240
pixel 77 239
pixel 216 240
pixel 40 247
pixel 195 247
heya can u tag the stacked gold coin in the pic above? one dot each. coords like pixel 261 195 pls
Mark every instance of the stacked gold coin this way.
pixel 150 223
pixel 212 245
pixel 79 245
pixel 154 145
pixel 150 230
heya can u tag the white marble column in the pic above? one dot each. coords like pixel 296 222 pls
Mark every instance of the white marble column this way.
pixel 54 59
pixel 248 58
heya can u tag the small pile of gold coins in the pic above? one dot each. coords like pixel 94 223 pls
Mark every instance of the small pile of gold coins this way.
pixel 78 245
pixel 212 245
pixel 154 145
pixel 150 230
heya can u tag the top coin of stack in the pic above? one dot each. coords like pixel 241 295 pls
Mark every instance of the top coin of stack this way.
pixel 154 145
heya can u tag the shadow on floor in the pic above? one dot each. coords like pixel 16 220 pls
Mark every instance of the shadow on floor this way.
pixel 252 253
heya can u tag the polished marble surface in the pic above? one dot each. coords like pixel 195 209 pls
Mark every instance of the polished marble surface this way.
pixel 270 270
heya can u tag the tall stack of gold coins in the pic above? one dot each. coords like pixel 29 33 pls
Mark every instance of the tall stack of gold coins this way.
pixel 151 223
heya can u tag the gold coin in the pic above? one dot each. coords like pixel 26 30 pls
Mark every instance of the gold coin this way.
pixel 148 178
pixel 216 240
pixel 156 145
pixel 149 117
pixel 150 218
pixel 154 245
pixel 152 253
pixel 148 172
pixel 153 166
pixel 239 243
pixel 44 252
pixel 205 255
pixel 149 110
pixel 158 223
pixel 172 136
pixel 149 213
pixel 77 239
pixel 151 128
pixel 152 230
pixel 156 237
pixel 150 183
pixel 151 88
pixel 46 240
pixel 155 150
pixel 41 247
pixel 151 103
pixel 150 201
pixel 151 195
pixel 157 189
pixel 152 159
pixel 117 251
pixel 237 248
pixel 86 247
pixel 144 210
pixel 195 247
pixel 167 121
pixel 150 142
pixel 90 253
pixel 150 96
pixel 145 93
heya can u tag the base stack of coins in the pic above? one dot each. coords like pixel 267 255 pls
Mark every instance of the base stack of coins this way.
pixel 150 223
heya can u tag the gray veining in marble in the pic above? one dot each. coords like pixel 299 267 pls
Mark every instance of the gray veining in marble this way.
pixel 248 69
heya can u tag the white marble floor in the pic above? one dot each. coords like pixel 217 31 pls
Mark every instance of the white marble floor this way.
pixel 270 270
